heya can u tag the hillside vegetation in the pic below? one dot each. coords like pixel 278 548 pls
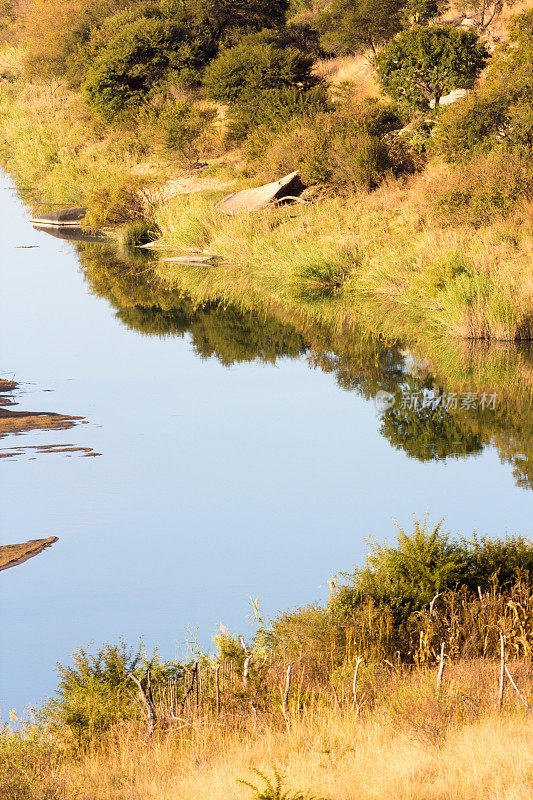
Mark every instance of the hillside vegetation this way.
pixel 124 106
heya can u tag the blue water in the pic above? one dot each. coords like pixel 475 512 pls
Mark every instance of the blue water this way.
pixel 214 484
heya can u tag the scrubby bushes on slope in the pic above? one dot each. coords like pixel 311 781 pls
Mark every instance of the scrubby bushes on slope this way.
pixel 489 134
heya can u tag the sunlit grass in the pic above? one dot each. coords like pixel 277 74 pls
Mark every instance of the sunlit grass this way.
pixel 398 276
pixel 405 743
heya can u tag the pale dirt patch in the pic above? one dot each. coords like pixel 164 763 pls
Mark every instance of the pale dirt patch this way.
pixel 188 185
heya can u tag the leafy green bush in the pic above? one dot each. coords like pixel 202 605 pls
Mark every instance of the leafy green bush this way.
pixel 349 26
pixel 404 579
pixel 344 147
pixel 251 68
pixel 229 16
pixel 420 12
pixel 273 110
pixel 500 113
pixel 139 61
pixel 185 129
pixel 424 63
pixel 97 691
pixel 275 788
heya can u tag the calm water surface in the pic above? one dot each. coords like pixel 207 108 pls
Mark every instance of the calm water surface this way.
pixel 215 483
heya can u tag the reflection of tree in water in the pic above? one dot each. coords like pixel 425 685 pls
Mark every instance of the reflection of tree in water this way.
pixel 146 305
pixel 427 433
pixel 364 364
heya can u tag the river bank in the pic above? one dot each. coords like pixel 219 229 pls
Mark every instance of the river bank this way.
pixel 372 695
pixel 381 260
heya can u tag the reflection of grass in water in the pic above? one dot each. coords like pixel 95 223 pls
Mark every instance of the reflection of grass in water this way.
pixel 399 276
pixel 147 305
pixel 250 329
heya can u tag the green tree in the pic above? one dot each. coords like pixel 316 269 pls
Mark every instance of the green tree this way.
pixel 422 64
pixel 353 25
pixel 137 61
pixel 247 70
pixel 225 16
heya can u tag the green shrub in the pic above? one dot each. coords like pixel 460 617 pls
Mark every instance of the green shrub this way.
pixel 498 114
pixel 343 147
pixel 185 129
pixel 424 63
pixel 97 691
pixel 250 69
pixel 140 60
pixel 404 579
pixel 273 110
pixel 275 788
pixel 229 16
pixel 349 26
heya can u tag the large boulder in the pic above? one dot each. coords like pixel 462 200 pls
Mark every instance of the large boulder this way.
pixel 253 199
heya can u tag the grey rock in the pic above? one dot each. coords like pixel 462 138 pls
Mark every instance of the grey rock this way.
pixel 64 217
pixel 253 199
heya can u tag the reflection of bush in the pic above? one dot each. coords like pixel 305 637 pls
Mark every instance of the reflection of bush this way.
pixel 360 363
pixel 429 433
pixel 148 306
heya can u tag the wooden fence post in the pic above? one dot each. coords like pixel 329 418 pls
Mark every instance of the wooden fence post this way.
pixel 441 667
pixel 502 671
pixel 246 670
pixel 354 684
pixel 285 703
pixel 217 687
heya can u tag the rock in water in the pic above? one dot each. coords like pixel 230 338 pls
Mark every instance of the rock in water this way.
pixel 65 217
pixel 195 259
pixel 254 199
pixel 72 233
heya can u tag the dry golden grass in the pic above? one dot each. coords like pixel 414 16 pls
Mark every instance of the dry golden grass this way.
pixel 402 274
pixel 355 70
pixel 412 747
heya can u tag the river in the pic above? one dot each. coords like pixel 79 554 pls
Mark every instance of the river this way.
pixel 225 465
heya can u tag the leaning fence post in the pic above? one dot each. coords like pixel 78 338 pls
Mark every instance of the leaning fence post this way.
pixel 517 690
pixel 285 703
pixel 354 684
pixel 502 671
pixel 441 667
